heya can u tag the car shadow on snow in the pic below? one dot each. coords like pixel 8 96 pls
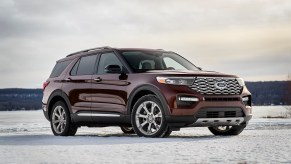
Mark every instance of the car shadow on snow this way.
pixel 98 139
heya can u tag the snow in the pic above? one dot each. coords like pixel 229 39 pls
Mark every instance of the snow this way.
pixel 25 137
pixel 274 111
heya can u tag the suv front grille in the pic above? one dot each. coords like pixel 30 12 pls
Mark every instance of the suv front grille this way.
pixel 220 113
pixel 212 86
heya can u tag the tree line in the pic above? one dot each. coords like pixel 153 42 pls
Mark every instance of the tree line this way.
pixel 20 99
pixel 269 92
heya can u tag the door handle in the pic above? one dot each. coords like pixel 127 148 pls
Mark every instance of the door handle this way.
pixel 68 79
pixel 98 79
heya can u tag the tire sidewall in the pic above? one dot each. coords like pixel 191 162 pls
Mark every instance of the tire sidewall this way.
pixel 68 119
pixel 161 132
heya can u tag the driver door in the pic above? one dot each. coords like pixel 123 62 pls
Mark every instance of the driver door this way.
pixel 109 94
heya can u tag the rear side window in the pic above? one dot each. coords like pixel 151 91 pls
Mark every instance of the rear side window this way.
pixel 59 68
pixel 85 66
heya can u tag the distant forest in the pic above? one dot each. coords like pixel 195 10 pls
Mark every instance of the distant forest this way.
pixel 263 93
pixel 269 93
pixel 20 99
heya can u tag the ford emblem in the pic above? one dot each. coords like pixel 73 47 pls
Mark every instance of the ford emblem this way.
pixel 220 85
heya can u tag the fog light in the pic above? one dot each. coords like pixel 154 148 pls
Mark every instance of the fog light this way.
pixel 186 101
pixel 244 99
pixel 247 100
pixel 189 99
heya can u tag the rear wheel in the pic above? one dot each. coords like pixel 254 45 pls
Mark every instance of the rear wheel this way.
pixel 60 119
pixel 227 130
pixel 127 130
pixel 148 117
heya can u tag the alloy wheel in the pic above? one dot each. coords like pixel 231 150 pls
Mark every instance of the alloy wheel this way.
pixel 59 119
pixel 148 118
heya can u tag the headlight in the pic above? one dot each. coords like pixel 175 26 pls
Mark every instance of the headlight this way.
pixel 240 81
pixel 176 80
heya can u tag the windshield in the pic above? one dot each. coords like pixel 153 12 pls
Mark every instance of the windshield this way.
pixel 141 61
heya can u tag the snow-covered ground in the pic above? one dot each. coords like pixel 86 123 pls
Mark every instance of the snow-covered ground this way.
pixel 273 111
pixel 25 137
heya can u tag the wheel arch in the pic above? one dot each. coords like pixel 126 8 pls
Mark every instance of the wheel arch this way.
pixel 56 96
pixel 143 90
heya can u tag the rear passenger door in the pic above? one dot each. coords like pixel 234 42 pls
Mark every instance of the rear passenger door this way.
pixel 109 94
pixel 79 83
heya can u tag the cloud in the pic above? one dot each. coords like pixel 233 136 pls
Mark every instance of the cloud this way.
pixel 246 37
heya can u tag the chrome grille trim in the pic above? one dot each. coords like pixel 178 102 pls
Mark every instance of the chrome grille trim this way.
pixel 206 85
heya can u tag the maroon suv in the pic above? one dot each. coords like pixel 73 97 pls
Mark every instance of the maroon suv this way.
pixel 150 92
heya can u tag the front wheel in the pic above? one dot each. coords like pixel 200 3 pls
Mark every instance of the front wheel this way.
pixel 148 117
pixel 227 130
pixel 60 119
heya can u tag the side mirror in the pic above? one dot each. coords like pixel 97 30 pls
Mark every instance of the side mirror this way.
pixel 113 69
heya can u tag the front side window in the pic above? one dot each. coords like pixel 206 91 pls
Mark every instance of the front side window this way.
pixel 84 66
pixel 141 61
pixel 172 64
pixel 108 59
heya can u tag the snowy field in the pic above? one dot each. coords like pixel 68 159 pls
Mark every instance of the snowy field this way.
pixel 25 137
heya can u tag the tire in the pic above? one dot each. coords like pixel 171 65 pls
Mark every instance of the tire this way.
pixel 127 130
pixel 168 132
pixel 60 120
pixel 148 117
pixel 227 131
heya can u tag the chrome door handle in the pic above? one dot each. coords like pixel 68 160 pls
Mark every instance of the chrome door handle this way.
pixel 98 79
pixel 68 79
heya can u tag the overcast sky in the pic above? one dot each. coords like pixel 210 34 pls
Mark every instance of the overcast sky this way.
pixel 250 38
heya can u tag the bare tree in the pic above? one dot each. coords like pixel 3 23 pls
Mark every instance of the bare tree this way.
pixel 288 95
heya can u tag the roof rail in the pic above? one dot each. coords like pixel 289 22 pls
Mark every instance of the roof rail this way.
pixel 88 50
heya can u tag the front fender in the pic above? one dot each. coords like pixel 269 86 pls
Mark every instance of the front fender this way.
pixel 151 88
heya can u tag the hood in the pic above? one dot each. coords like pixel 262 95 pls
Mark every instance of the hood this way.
pixel 188 73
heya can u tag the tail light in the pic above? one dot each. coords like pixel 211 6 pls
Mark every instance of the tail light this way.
pixel 45 84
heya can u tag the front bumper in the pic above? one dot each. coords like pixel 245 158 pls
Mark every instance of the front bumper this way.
pixel 191 121
pixel 229 121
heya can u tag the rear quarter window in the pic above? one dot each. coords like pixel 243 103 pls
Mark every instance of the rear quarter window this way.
pixel 59 68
